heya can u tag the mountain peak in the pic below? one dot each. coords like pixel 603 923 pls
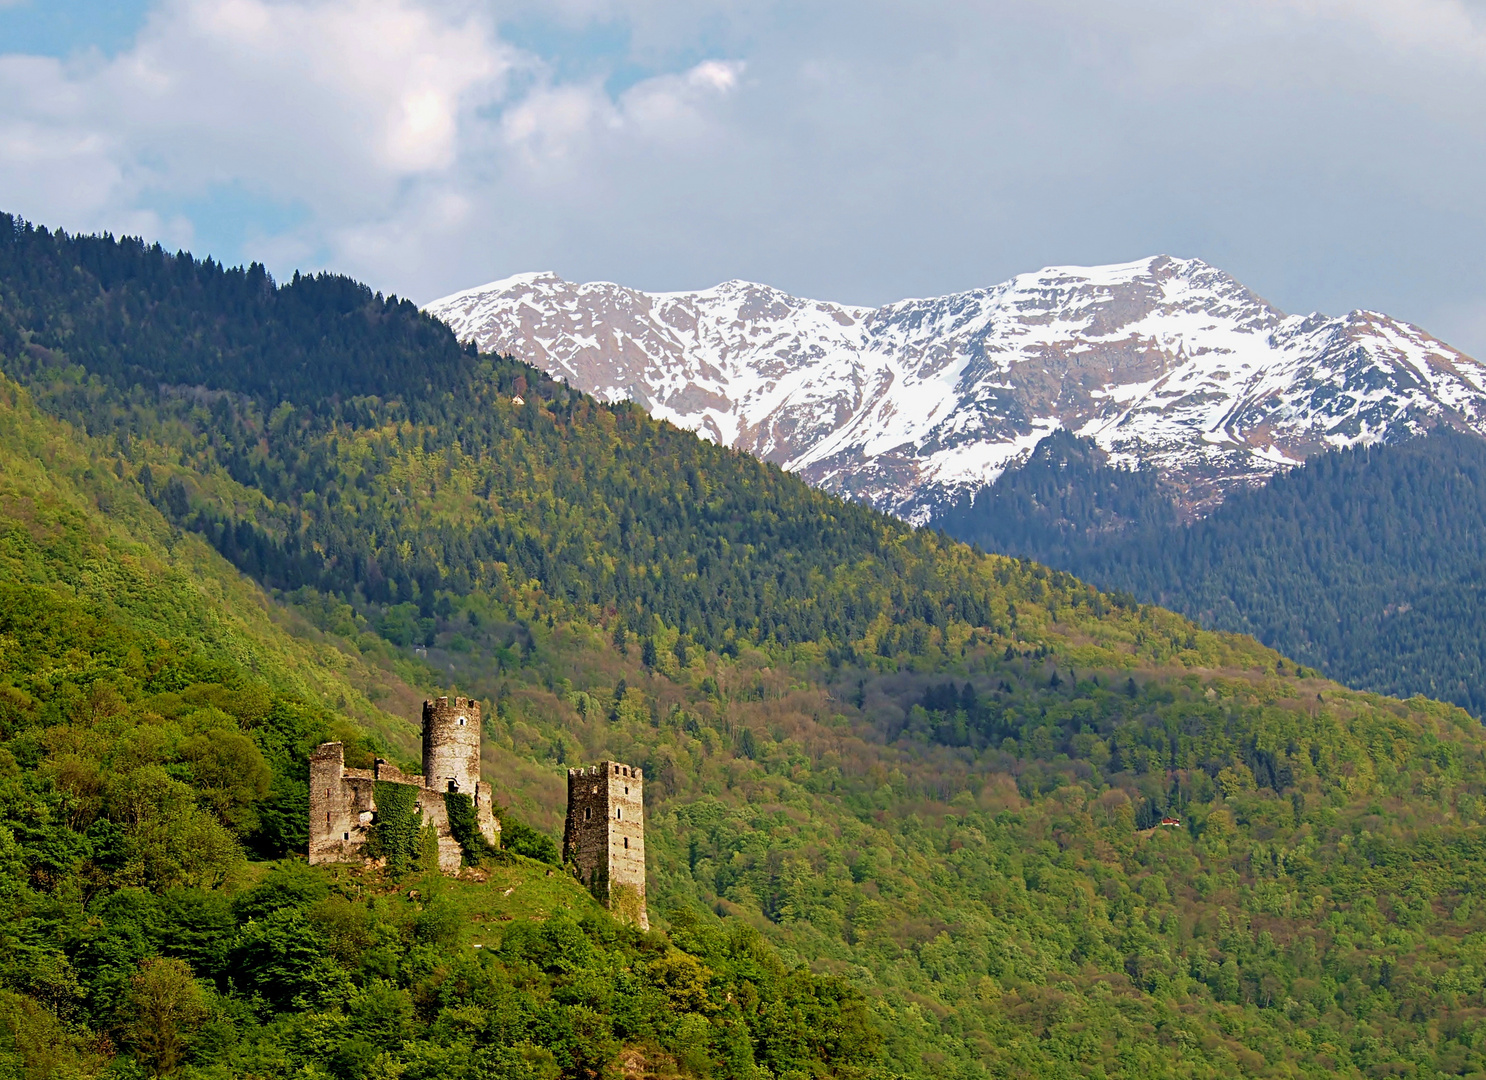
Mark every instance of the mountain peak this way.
pixel 1165 362
pixel 504 285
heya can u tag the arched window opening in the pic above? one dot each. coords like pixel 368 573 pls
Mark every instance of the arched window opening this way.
pixel 618 813
pixel 626 843
pixel 587 813
pixel 461 721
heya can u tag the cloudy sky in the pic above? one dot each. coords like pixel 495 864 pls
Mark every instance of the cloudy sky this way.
pixel 1330 153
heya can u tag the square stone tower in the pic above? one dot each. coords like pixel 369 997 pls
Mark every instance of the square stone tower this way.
pixel 342 805
pixel 605 836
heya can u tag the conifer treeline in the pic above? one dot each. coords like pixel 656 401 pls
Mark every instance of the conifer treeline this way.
pixel 131 313
pixel 1368 563
pixel 328 465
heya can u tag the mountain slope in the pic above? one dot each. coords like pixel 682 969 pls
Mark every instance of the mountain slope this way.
pixel 1165 362
pixel 929 776
pixel 155 718
pixel 1366 563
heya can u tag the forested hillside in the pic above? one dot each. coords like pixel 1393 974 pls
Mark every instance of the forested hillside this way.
pixel 1365 563
pixel 154 725
pixel 904 798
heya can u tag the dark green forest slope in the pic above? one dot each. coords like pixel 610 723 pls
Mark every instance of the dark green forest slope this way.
pixel 903 797
pixel 1369 564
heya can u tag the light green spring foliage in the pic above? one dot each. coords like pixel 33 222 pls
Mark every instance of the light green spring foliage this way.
pixel 1295 913
pixel 72 527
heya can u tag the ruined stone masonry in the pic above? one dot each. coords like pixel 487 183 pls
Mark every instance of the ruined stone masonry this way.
pixel 605 836
pixel 343 801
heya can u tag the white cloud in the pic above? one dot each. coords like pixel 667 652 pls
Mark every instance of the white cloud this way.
pixel 387 120
pixel 1330 152
pixel 333 102
pixel 676 108
pixel 560 128
pixel 553 125
pixel 717 75
pixel 315 86
pixel 1447 28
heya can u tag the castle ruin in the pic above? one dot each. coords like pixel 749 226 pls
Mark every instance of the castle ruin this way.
pixel 343 803
pixel 605 836
pixel 604 841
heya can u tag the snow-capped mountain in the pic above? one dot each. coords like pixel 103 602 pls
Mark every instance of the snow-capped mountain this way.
pixel 1164 362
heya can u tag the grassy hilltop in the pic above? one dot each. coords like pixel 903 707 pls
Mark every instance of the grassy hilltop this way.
pixel 900 794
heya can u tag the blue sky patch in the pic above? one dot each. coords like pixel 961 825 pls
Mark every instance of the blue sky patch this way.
pixel 62 27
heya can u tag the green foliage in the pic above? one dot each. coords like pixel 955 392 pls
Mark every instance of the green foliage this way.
pixel 399 624
pixel 131 772
pixel 162 1014
pixel 444 501
pixel 1061 504
pixel 520 838
pixel 130 312
pixel 36 1045
pixel 397 833
pixel 894 788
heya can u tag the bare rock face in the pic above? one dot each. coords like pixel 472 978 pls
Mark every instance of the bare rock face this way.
pixel 1167 363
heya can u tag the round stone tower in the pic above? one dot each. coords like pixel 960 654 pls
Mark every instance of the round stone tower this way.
pixel 451 744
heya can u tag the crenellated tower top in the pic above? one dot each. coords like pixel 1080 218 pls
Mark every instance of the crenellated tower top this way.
pixel 451 744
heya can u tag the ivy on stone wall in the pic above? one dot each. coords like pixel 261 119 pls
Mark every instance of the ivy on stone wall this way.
pixel 464 823
pixel 396 833
pixel 597 883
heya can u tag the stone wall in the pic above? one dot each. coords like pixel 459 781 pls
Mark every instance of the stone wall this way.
pixel 389 773
pixel 436 813
pixel 585 838
pixel 627 841
pixel 341 805
pixel 485 814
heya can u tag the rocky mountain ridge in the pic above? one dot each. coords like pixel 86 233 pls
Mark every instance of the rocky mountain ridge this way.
pixel 1166 363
